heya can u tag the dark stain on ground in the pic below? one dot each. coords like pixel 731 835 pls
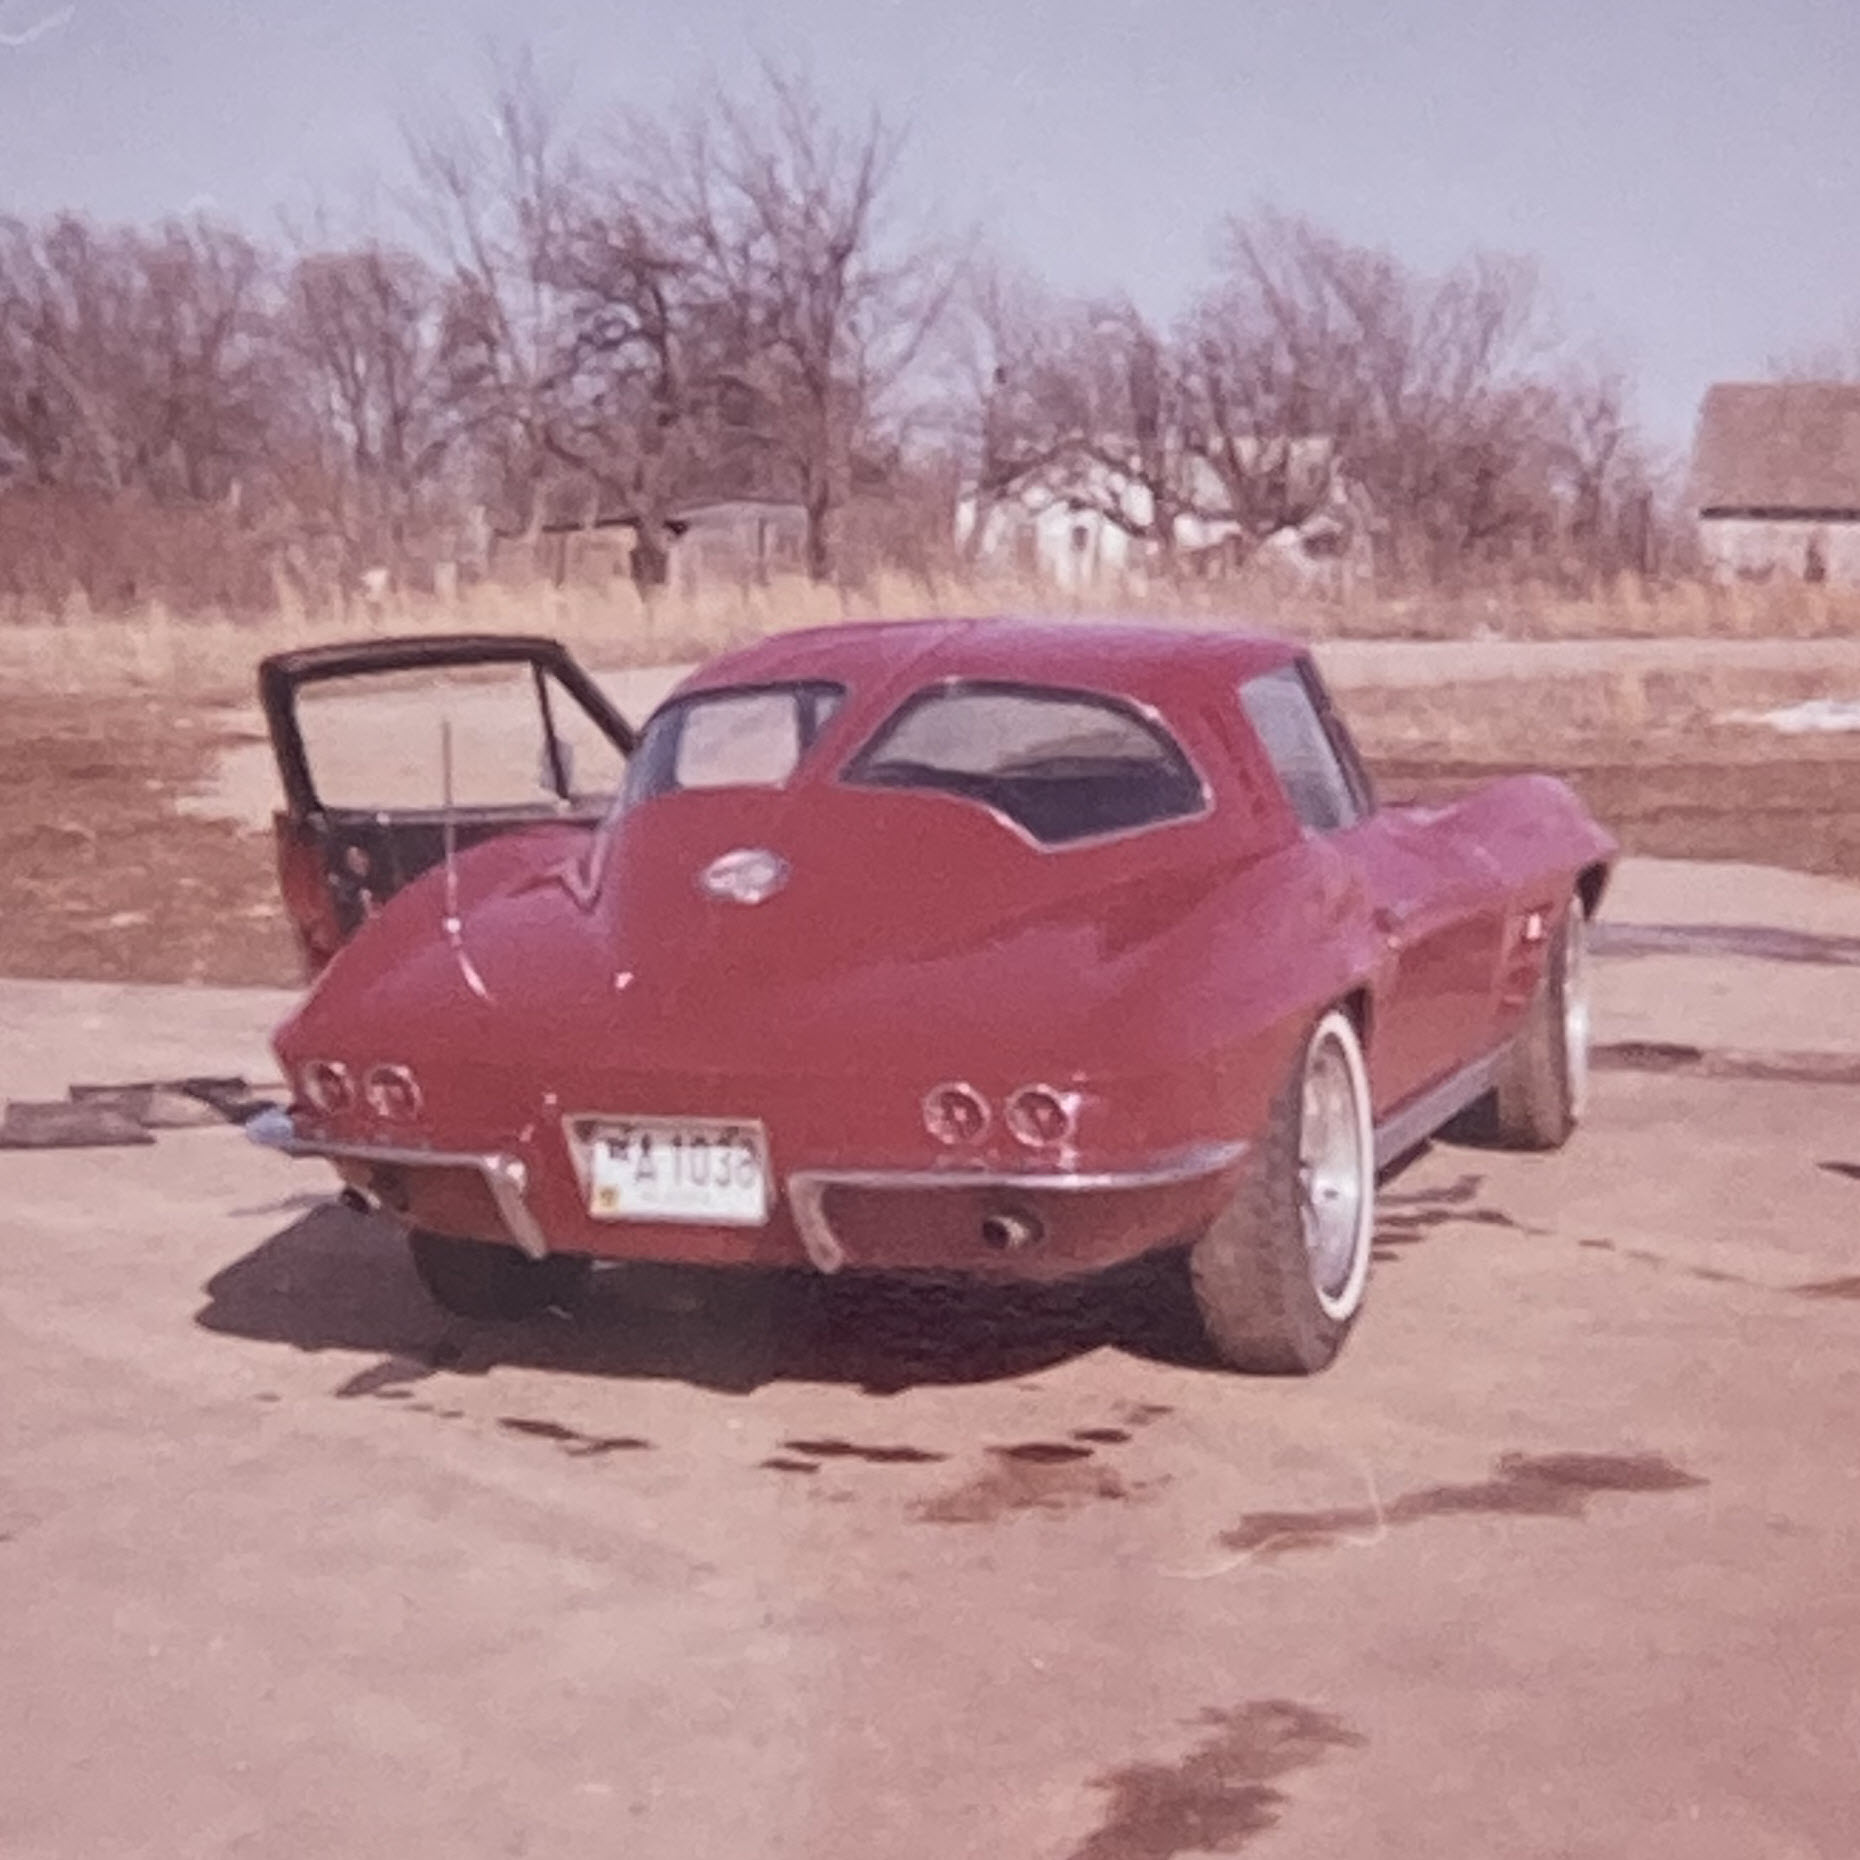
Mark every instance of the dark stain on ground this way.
pixel 1761 940
pixel 1404 1219
pixel 1829 1288
pixel 1647 1056
pixel 1850 1170
pixel 851 1450
pixel 780 1463
pixel 572 1440
pixel 1644 1256
pixel 1524 1485
pixel 1144 1413
pixel 1102 1436
pixel 1727 1063
pixel 1223 1794
pixel 1040 1476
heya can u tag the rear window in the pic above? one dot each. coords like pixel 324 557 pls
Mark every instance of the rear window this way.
pixel 750 738
pixel 1061 765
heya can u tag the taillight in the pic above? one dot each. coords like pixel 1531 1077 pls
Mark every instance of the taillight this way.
pixel 328 1085
pixel 955 1113
pixel 392 1093
pixel 1043 1118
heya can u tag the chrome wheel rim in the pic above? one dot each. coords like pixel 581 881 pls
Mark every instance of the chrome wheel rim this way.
pixel 1333 1168
pixel 1576 1016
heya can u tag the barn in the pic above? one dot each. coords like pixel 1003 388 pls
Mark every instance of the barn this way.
pixel 1776 480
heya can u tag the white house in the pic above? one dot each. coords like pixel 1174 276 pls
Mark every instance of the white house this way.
pixel 1081 525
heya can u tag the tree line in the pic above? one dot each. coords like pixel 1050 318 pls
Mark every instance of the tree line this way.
pixel 731 300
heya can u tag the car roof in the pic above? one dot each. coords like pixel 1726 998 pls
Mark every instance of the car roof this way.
pixel 1159 665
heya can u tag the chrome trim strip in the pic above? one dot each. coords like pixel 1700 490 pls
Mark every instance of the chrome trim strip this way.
pixel 505 1176
pixel 807 1188
pixel 1417 1120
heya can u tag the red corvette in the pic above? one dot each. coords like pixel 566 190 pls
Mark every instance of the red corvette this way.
pixel 984 946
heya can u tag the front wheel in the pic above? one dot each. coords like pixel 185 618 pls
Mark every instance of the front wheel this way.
pixel 1543 1080
pixel 480 1279
pixel 1280 1273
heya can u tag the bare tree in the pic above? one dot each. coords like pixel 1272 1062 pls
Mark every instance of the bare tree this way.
pixel 1426 386
pixel 495 197
pixel 649 377
pixel 131 360
pixel 820 308
pixel 364 331
pixel 1079 403
pixel 136 379
pixel 1836 360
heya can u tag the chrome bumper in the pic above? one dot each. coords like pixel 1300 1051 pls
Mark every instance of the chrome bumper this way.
pixel 505 1176
pixel 808 1188
pixel 508 1180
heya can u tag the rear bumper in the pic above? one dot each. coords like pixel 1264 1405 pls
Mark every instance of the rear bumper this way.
pixel 505 1178
pixel 1031 1218
pixel 1022 1223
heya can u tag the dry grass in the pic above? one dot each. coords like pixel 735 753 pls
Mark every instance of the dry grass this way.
pixel 101 877
pixel 212 655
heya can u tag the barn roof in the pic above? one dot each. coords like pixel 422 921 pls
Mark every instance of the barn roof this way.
pixel 1778 447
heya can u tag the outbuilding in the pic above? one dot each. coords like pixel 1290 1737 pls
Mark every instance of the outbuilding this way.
pixel 1776 480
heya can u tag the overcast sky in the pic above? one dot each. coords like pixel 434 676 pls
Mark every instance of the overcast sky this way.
pixel 1687 172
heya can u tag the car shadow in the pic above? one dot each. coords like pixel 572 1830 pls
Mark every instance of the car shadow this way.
pixel 335 1279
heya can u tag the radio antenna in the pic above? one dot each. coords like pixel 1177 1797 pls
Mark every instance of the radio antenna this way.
pixel 454 927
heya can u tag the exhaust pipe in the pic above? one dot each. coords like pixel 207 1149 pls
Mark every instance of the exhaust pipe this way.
pixel 1008 1230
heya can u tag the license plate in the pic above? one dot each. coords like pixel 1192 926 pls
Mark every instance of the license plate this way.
pixel 678 1169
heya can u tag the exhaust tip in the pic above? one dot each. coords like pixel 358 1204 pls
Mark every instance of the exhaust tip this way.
pixel 1009 1230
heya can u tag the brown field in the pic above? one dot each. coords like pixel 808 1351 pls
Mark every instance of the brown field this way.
pixel 103 876
pixel 105 723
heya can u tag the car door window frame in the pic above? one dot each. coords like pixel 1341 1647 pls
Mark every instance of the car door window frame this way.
pixel 1355 770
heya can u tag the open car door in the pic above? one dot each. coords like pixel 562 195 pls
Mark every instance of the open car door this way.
pixel 380 742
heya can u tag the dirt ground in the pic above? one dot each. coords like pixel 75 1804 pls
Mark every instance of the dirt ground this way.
pixel 1555 1562
pixel 102 875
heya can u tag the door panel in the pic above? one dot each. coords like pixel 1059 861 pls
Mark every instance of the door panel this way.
pixel 382 743
pixel 1438 904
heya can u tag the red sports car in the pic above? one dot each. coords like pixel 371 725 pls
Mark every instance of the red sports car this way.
pixel 985 946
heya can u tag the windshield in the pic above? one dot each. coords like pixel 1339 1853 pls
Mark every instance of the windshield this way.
pixel 749 738
pixel 1062 765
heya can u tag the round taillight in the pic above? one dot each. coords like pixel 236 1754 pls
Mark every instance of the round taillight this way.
pixel 955 1113
pixel 328 1085
pixel 392 1093
pixel 1043 1118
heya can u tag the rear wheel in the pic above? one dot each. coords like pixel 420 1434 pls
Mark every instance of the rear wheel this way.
pixel 1543 1081
pixel 479 1279
pixel 1280 1273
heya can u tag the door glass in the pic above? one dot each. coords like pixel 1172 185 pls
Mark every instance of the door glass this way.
pixel 1280 709
pixel 595 764
pixel 374 741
